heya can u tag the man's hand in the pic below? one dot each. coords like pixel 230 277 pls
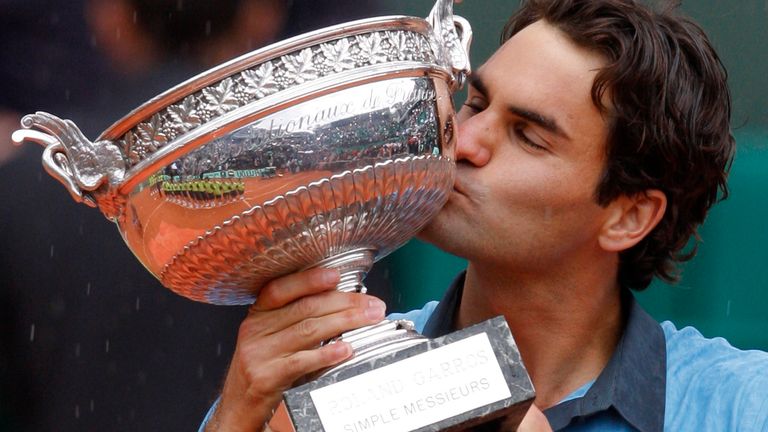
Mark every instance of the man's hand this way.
pixel 278 343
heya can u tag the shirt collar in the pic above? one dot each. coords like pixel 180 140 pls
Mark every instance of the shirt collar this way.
pixel 443 318
pixel 633 382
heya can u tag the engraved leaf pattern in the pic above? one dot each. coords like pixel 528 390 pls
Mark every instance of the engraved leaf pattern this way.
pixel 150 135
pixel 260 82
pixel 287 71
pixel 221 97
pixel 338 55
pixel 400 45
pixel 131 148
pixel 371 48
pixel 300 66
pixel 184 115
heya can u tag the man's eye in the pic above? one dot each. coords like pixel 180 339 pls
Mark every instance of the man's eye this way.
pixel 519 131
pixel 472 107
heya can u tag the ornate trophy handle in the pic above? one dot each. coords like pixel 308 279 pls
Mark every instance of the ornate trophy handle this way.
pixel 452 36
pixel 89 170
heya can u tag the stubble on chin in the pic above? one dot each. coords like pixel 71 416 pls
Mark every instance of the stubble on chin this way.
pixel 441 232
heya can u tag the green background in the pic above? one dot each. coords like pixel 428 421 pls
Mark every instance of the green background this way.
pixel 724 290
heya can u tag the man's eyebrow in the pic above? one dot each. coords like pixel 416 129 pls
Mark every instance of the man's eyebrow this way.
pixel 476 81
pixel 547 123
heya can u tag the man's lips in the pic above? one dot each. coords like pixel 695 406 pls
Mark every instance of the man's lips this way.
pixel 468 188
pixel 458 187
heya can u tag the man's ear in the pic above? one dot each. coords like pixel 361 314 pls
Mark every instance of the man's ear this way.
pixel 631 218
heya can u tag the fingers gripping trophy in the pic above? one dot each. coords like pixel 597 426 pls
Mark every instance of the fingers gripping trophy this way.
pixel 330 149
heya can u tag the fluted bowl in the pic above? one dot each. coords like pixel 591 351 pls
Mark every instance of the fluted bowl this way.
pixel 332 148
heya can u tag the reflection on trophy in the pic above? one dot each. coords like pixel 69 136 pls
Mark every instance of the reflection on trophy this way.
pixel 329 149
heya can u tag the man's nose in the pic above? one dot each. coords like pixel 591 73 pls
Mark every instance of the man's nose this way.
pixel 474 141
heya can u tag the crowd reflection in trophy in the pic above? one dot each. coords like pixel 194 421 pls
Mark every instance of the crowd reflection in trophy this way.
pixel 216 174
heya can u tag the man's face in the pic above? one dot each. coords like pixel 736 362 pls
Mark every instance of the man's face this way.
pixel 530 152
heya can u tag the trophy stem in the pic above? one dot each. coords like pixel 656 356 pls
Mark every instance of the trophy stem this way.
pixel 353 266
pixel 374 340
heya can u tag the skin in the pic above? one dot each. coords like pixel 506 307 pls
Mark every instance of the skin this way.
pixel 523 212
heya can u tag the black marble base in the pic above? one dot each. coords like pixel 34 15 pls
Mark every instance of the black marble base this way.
pixel 305 417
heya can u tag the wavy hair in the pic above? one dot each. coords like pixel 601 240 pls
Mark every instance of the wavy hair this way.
pixel 664 92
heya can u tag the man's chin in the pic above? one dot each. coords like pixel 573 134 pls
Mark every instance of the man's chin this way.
pixel 435 233
pixel 430 232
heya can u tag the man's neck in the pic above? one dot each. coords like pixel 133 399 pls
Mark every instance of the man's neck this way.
pixel 565 327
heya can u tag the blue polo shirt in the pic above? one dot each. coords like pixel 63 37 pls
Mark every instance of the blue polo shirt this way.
pixel 658 379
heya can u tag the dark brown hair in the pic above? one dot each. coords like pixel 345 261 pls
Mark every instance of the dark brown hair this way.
pixel 664 93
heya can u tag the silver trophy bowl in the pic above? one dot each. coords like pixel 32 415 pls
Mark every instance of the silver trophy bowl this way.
pixel 332 148
pixel 328 149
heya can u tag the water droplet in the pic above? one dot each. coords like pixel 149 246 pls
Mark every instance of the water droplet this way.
pixel 80 229
pixel 77 349
pixel 88 289
pixel 207 27
pixel 135 16
pixel 106 346
pixel 32 333
pixel 200 371
pixel 138 303
pixel 728 309
pixel 67 94
pixel 92 405
pixel 77 411
pixel 218 349
pixel 51 251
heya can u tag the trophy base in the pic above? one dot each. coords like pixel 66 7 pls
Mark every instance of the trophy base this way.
pixel 453 382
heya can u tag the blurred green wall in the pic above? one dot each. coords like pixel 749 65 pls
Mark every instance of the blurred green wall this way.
pixel 724 290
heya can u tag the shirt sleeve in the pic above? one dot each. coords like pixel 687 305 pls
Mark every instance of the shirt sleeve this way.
pixel 752 397
pixel 712 385
pixel 418 317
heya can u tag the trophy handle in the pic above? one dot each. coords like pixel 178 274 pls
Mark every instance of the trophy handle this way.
pixel 452 36
pixel 89 170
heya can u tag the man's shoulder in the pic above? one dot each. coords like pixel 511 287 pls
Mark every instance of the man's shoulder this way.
pixel 712 382
pixel 691 354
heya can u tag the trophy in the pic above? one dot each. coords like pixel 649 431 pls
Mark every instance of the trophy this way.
pixel 329 149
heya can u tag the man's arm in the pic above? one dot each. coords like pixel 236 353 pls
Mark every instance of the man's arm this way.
pixel 279 342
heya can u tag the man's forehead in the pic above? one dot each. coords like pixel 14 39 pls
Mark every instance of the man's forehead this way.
pixel 541 73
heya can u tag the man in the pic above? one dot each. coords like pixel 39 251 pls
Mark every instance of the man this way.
pixel 591 146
